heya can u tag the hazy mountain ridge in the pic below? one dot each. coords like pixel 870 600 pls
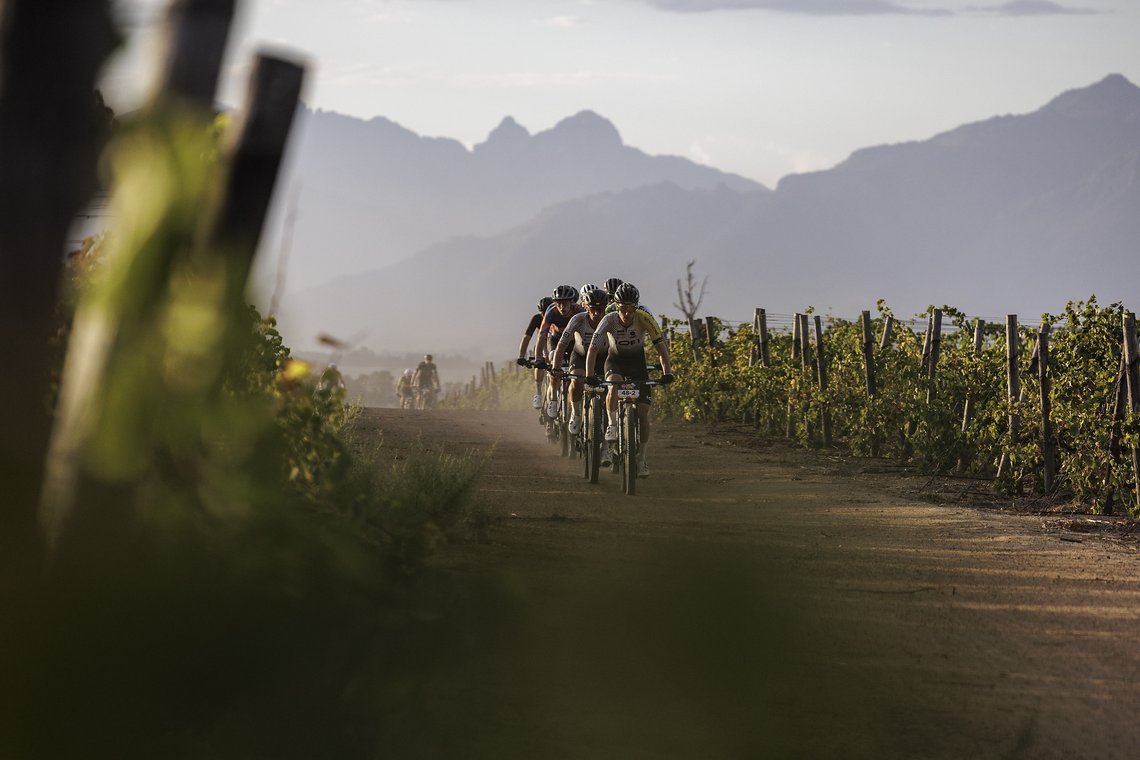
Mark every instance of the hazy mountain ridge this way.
pixel 370 193
pixel 1014 214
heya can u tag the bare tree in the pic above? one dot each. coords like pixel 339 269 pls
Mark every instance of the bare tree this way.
pixel 688 297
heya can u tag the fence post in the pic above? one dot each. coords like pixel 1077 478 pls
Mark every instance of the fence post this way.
pixel 762 331
pixel 51 131
pixel 791 427
pixel 695 338
pixel 1132 360
pixel 968 405
pixel 1013 389
pixel 808 373
pixel 869 354
pixel 1048 444
pixel 935 353
pixel 888 330
pixel 821 371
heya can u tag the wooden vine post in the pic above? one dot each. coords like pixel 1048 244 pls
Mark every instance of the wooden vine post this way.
pixel 51 131
pixel 1048 442
pixel 760 321
pixel 821 372
pixel 888 333
pixel 968 405
pixel 1132 362
pixel 869 371
pixel 807 374
pixel 230 228
pixel 695 338
pixel 791 427
pixel 1013 390
pixel 931 350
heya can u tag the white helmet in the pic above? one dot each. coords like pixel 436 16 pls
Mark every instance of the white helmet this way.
pixel 408 373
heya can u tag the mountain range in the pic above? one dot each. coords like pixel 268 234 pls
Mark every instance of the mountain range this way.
pixel 1014 214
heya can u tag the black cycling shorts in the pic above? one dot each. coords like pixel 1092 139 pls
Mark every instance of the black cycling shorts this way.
pixel 630 369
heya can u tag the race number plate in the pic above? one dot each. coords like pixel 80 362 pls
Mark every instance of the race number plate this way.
pixel 628 393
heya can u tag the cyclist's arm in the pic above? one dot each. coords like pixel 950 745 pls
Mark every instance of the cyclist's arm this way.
pixel 662 347
pixel 535 321
pixel 598 346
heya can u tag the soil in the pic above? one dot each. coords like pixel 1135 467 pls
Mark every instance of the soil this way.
pixel 755 600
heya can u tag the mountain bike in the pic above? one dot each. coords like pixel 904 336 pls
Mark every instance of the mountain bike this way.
pixel 544 419
pixel 569 443
pixel 624 451
pixel 592 433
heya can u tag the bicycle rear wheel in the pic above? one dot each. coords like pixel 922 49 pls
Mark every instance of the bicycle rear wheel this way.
pixel 629 449
pixel 595 414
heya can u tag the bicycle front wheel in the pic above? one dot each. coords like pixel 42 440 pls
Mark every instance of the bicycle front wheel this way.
pixel 629 450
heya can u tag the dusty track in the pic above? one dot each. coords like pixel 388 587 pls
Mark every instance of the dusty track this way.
pixel 757 601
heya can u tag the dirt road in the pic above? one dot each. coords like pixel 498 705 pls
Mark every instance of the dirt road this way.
pixel 757 601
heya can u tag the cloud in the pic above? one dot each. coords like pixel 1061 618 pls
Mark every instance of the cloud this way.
pixel 1031 8
pixel 803 7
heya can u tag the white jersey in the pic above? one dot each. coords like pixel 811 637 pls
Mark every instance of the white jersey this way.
pixel 578 332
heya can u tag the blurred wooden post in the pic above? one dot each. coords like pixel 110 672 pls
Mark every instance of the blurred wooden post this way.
pixel 230 229
pixel 1048 444
pixel 712 335
pixel 52 128
pixel 1013 390
pixel 968 405
pixel 1132 363
pixel 821 372
pixel 261 137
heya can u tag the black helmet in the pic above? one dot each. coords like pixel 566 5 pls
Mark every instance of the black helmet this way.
pixel 566 293
pixel 612 285
pixel 597 298
pixel 544 303
pixel 627 293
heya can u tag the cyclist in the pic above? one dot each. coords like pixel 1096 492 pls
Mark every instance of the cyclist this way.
pixel 623 337
pixel 404 389
pixel 611 285
pixel 553 323
pixel 426 380
pixel 576 340
pixel 535 321
pixel 331 379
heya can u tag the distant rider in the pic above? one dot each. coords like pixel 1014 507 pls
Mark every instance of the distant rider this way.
pixel 426 379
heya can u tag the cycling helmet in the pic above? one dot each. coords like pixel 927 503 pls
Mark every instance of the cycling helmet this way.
pixel 627 293
pixel 565 293
pixel 408 373
pixel 544 303
pixel 587 288
pixel 596 298
pixel 612 285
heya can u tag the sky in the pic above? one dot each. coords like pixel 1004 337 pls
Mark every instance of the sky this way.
pixel 760 88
